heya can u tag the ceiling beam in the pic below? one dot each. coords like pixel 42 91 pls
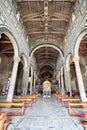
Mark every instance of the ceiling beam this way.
pixel 32 15
pixel 50 26
pixel 4 42
pixel 50 36
pixel 43 0
pixel 57 16
pixel 49 32
pixel 11 52
pixel 42 19
pixel 43 54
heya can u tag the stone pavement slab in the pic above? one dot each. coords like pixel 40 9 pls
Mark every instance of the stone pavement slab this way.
pixel 46 114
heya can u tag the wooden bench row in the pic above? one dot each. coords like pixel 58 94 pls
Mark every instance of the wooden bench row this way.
pixel 19 103
pixel 3 122
pixel 76 108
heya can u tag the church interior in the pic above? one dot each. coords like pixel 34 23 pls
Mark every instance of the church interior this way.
pixel 43 64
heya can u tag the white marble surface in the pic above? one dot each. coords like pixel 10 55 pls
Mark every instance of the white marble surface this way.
pixel 46 114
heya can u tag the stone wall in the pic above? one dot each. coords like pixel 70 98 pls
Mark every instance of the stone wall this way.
pixel 5 73
pixel 10 18
pixel 77 23
pixel 83 66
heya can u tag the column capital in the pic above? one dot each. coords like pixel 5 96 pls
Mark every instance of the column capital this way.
pixel 68 69
pixel 17 59
pixel 29 59
pixel 76 59
pixel 25 68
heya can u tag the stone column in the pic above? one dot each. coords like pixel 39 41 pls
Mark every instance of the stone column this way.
pixel 59 83
pixel 13 79
pixel 62 82
pixel 31 81
pixel 34 81
pixel 25 81
pixel 80 80
pixel 68 80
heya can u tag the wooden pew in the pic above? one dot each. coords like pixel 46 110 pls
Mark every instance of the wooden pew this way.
pixel 75 107
pixel 27 102
pixel 6 123
pixel 60 96
pixel 3 122
pixel 33 97
pixel 84 123
pixel 13 105
pixel 66 100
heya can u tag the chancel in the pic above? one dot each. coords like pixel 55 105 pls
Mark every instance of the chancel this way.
pixel 43 64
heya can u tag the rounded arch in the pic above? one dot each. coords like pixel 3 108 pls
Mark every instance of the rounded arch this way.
pixel 25 60
pixel 45 64
pixel 78 41
pixel 47 45
pixel 67 61
pixel 7 32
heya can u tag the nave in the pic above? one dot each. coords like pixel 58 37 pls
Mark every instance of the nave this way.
pixel 46 114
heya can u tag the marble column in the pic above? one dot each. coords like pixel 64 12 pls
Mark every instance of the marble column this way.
pixel 80 80
pixel 68 77
pixel 62 82
pixel 13 79
pixel 25 81
pixel 31 81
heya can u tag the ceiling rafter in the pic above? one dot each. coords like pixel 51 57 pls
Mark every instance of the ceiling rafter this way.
pixel 53 54
pixel 49 32
pixel 48 0
pixel 59 15
pixel 32 15
pixel 4 42
pixel 50 36
pixel 40 17
pixel 10 48
pixel 50 26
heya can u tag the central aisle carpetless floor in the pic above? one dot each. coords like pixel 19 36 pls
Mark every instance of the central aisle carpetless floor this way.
pixel 46 114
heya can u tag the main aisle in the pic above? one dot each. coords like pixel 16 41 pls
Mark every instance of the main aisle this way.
pixel 46 114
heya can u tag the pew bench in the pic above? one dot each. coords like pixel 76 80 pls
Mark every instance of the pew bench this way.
pixel 27 102
pixel 77 109
pixel 84 123
pixel 66 100
pixel 9 105
pixel 33 97
pixel 6 123
pixel 3 122
pixel 60 96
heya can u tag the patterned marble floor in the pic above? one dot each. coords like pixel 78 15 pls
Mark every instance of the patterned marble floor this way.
pixel 45 114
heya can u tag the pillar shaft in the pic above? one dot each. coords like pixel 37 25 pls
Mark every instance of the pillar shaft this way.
pixel 34 81
pixel 80 80
pixel 13 79
pixel 68 80
pixel 59 89
pixel 62 82
pixel 31 81
pixel 25 81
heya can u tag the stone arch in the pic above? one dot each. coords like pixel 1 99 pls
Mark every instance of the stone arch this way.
pixel 67 61
pixel 47 45
pixel 7 32
pixel 78 41
pixel 25 60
